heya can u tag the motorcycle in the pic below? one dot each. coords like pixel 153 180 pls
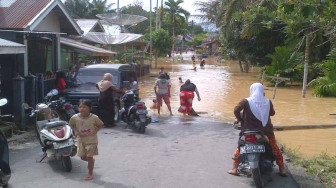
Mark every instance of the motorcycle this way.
pixel 256 157
pixel 55 136
pixel 134 112
pixel 5 171
pixel 63 108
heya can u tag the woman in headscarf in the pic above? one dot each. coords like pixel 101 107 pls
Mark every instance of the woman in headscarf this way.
pixel 186 98
pixel 106 100
pixel 257 110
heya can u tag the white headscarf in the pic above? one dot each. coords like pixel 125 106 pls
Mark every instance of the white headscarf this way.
pixel 259 104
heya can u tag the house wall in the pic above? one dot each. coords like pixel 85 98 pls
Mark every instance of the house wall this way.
pixel 49 23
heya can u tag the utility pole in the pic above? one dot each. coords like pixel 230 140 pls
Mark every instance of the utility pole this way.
pixel 157 16
pixel 150 32
pixel 161 15
pixel 118 6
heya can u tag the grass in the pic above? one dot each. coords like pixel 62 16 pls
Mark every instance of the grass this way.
pixel 324 166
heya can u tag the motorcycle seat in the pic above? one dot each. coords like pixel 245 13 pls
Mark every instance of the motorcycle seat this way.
pixel 53 124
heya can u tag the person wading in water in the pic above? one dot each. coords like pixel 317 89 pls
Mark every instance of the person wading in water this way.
pixel 186 98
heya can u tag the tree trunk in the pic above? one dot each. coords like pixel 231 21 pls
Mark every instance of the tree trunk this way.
pixel 241 66
pixel 156 57
pixel 173 39
pixel 305 72
pixel 161 15
pixel 247 66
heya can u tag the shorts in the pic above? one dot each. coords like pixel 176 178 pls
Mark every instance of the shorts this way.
pixel 88 150
pixel 165 97
pixel 186 99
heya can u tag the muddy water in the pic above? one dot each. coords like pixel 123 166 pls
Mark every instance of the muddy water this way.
pixel 222 86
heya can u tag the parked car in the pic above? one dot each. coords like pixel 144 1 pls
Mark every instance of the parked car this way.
pixel 85 83
pixel 204 55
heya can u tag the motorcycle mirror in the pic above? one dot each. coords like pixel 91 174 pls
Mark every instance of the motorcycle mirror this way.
pixel 25 106
pixel 3 101
pixel 54 92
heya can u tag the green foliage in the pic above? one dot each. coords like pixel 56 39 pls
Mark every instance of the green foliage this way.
pixel 127 56
pixel 323 166
pixel 161 41
pixel 284 62
pixel 197 40
pixel 326 86
pixel 86 8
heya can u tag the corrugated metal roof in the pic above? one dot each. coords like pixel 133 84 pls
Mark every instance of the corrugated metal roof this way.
pixel 87 24
pixel 96 51
pixel 20 13
pixel 9 47
pixel 8 43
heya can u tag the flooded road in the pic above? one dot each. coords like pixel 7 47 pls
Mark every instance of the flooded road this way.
pixel 222 86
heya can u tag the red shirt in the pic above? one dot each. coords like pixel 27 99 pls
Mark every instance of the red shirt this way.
pixel 60 85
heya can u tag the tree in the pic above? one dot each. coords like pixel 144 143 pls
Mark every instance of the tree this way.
pixel 175 12
pixel 99 7
pixel 197 40
pixel 161 43
pixel 78 8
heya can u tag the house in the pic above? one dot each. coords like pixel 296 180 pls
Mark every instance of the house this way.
pixel 41 26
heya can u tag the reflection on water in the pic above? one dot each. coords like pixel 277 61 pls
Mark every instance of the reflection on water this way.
pixel 222 86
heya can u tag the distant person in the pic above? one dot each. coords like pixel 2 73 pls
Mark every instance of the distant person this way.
pixel 186 98
pixel 202 63
pixel 161 71
pixel 180 80
pixel 154 105
pixel 193 60
pixel 60 81
pixel 257 110
pixel 162 91
pixel 86 125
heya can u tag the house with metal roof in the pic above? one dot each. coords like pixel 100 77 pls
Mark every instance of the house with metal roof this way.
pixel 90 25
pixel 33 33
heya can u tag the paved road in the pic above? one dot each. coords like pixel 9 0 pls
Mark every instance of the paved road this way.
pixel 177 152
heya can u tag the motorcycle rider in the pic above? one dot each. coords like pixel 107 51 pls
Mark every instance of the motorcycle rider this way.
pixel 257 110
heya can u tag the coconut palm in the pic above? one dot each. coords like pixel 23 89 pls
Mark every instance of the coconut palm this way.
pixel 326 86
pixel 99 7
pixel 78 8
pixel 174 10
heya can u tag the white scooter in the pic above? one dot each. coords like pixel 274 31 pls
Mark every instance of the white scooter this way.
pixel 55 136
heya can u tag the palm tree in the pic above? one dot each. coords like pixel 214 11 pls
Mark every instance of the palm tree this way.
pixel 99 7
pixel 174 10
pixel 78 8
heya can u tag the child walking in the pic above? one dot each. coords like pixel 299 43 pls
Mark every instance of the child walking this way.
pixel 86 126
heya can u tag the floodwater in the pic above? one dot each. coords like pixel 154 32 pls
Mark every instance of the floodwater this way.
pixel 222 86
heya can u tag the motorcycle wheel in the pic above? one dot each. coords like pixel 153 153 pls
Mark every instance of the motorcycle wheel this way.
pixel 257 178
pixel 66 163
pixel 116 111
pixel 142 129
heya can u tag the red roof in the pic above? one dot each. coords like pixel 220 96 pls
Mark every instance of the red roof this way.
pixel 20 13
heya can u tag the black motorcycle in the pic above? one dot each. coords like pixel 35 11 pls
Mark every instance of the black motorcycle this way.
pixel 5 171
pixel 134 112
pixel 256 156
pixel 64 109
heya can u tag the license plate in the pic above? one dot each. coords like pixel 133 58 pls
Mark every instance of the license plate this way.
pixel 142 111
pixel 252 149
pixel 58 145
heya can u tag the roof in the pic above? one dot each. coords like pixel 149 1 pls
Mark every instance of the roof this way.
pixel 120 67
pixel 9 47
pixel 86 48
pixel 27 14
pixel 88 25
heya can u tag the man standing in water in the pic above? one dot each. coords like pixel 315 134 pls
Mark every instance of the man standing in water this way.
pixel 162 91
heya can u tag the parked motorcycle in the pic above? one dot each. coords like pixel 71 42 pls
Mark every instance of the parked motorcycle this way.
pixel 5 171
pixel 134 112
pixel 256 156
pixel 55 136
pixel 63 108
